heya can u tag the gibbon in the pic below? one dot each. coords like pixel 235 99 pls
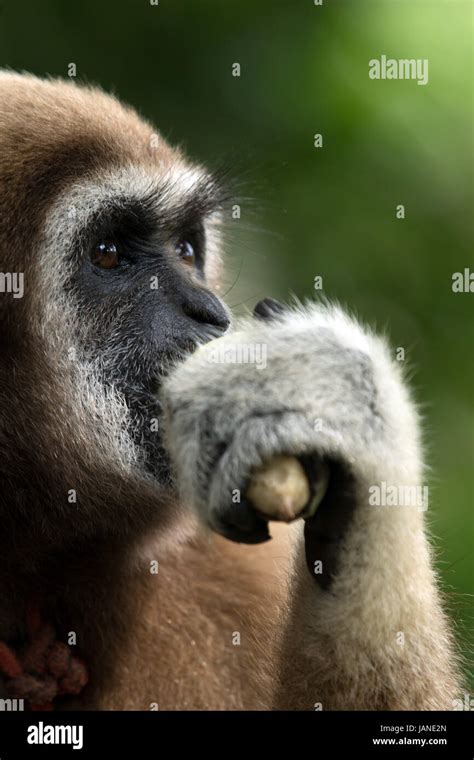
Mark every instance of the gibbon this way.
pixel 135 572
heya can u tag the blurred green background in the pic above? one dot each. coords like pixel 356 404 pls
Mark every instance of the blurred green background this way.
pixel 309 211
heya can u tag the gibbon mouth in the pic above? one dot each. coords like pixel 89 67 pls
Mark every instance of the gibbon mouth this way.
pixel 181 350
pixel 167 360
pixel 155 385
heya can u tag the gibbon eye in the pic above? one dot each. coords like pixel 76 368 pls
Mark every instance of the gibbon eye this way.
pixel 105 255
pixel 186 252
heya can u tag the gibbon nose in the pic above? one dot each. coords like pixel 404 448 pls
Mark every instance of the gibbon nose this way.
pixel 205 308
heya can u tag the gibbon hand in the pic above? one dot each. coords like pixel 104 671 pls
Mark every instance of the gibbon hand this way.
pixel 312 401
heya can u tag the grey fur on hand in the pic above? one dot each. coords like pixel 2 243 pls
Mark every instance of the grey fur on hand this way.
pixel 302 384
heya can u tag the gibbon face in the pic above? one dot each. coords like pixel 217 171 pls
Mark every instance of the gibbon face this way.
pixel 117 237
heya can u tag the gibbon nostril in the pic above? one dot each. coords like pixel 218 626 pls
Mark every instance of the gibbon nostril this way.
pixel 207 309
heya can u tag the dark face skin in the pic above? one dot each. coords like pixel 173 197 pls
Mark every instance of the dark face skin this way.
pixel 144 284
